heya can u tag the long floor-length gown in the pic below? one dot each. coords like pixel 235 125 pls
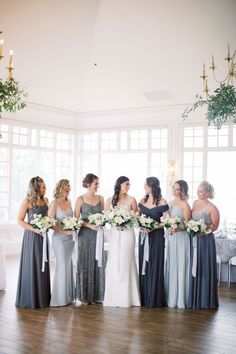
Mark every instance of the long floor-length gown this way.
pixel 122 287
pixel 90 278
pixel 3 281
pixel 33 289
pixel 152 283
pixel 177 264
pixel 203 287
pixel 63 246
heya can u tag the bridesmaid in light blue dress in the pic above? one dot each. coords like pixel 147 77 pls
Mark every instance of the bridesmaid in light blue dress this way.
pixel 178 250
pixel 203 286
pixel 63 245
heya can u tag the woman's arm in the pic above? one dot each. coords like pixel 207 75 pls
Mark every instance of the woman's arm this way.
pixel 102 202
pixel 108 203
pixel 78 205
pixel 134 206
pixel 21 217
pixel 215 218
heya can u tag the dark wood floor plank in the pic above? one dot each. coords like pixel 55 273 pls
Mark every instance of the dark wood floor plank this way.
pixel 94 329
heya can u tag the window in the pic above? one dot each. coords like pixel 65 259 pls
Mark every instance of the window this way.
pixel 218 137
pixel 27 152
pixel 109 140
pixel 139 139
pixel 20 135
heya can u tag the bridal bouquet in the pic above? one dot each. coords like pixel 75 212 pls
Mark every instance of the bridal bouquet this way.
pixel 172 222
pixel 120 218
pixel 146 222
pixel 195 226
pixel 71 223
pixel 98 219
pixel 42 223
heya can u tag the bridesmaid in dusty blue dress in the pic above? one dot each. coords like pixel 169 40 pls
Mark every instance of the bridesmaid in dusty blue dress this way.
pixel 90 282
pixel 152 283
pixel 203 286
pixel 33 289
pixel 178 250
pixel 63 245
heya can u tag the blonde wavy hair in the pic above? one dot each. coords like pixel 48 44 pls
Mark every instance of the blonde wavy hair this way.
pixel 33 196
pixel 208 188
pixel 59 189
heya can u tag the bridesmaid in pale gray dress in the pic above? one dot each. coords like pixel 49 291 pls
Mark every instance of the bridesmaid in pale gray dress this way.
pixel 63 245
pixel 203 286
pixel 178 250
pixel 90 278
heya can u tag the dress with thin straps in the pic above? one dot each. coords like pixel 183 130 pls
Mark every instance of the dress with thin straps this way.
pixel 203 287
pixel 90 280
pixel 63 246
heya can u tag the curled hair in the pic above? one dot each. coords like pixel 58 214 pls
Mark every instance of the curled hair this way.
pixel 154 184
pixel 117 187
pixel 208 188
pixel 59 189
pixel 183 186
pixel 33 196
pixel 88 180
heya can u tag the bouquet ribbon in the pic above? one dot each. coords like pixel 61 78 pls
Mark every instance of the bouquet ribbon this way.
pixel 44 257
pixel 144 240
pixel 99 245
pixel 75 239
pixel 194 266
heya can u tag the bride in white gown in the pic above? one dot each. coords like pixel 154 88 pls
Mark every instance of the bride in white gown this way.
pixel 122 286
pixel 3 283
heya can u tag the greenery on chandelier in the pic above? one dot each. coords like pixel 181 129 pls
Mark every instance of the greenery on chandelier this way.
pixel 221 106
pixel 11 96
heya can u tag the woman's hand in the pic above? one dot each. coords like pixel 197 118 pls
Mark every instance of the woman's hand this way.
pixel 142 229
pixel 90 226
pixel 68 233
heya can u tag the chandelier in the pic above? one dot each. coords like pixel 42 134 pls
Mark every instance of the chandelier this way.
pixel 11 95
pixel 230 75
pixel 221 104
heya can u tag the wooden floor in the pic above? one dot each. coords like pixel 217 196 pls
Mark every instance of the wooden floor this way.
pixel 94 329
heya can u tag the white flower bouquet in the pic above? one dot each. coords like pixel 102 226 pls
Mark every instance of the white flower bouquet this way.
pixel 146 222
pixel 194 227
pixel 120 218
pixel 172 222
pixel 42 223
pixel 98 219
pixel 71 223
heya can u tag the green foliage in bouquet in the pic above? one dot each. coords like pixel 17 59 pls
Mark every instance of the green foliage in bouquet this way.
pixel 221 106
pixel 11 96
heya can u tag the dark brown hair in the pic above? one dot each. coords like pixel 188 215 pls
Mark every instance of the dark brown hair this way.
pixel 117 188
pixel 154 184
pixel 89 179
pixel 183 186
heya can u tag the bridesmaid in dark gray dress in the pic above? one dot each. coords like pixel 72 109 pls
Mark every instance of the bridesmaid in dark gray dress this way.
pixel 90 278
pixel 203 286
pixel 152 283
pixel 33 289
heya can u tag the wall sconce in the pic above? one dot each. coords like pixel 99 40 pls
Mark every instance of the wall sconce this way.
pixel 171 174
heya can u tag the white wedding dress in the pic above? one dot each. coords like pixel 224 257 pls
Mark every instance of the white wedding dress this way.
pixel 3 282
pixel 121 282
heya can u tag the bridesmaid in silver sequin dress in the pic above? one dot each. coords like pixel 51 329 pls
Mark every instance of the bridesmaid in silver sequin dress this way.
pixel 33 290
pixel 203 286
pixel 90 278
pixel 63 246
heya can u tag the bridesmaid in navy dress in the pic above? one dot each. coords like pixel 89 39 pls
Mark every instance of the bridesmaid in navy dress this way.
pixel 33 289
pixel 203 286
pixel 152 283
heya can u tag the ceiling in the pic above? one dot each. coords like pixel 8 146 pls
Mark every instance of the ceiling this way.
pixel 97 55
